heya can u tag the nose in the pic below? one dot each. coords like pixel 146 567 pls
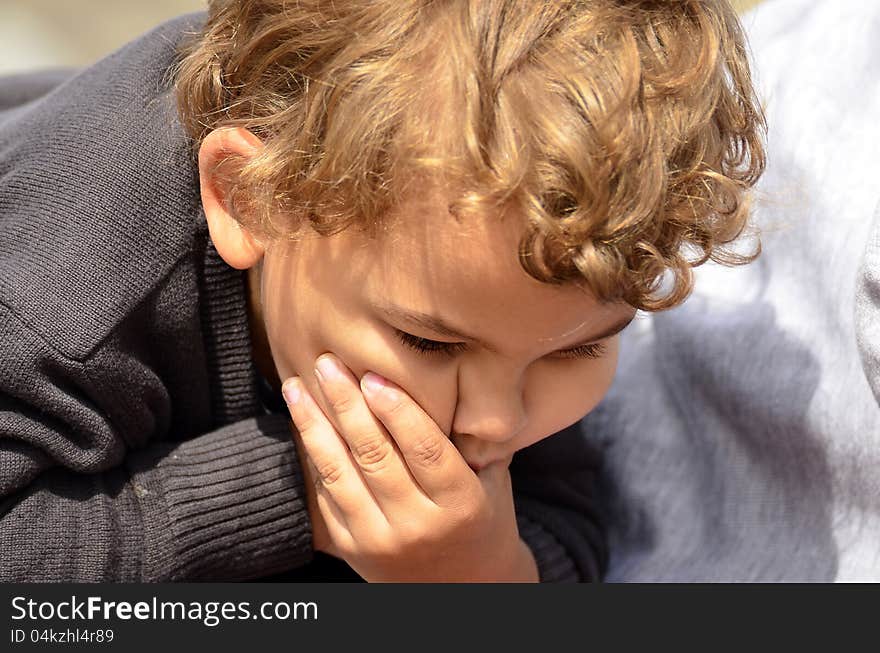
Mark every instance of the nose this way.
pixel 489 409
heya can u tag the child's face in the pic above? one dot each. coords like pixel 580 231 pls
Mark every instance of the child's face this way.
pixel 334 294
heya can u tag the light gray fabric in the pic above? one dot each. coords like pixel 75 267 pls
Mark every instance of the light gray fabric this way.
pixel 742 434
pixel 868 308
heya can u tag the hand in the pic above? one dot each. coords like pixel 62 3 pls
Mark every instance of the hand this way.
pixel 321 540
pixel 398 500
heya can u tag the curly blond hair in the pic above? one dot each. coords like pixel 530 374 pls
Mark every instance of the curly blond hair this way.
pixel 627 133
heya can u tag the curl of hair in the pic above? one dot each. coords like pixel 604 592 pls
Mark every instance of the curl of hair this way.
pixel 626 133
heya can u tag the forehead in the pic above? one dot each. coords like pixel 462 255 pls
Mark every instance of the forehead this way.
pixel 468 272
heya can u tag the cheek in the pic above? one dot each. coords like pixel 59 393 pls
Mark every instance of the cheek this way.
pixel 561 393
pixel 304 320
pixel 362 346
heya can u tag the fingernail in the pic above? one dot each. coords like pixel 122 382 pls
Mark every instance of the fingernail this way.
pixel 291 391
pixel 373 384
pixel 326 369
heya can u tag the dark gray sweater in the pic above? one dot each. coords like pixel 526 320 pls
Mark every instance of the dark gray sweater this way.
pixel 134 444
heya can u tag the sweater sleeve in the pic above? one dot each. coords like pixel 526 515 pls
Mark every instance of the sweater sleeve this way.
pixel 556 505
pixel 88 493
pixel 17 89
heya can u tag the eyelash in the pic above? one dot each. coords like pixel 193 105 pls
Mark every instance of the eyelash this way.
pixel 425 346
pixel 450 349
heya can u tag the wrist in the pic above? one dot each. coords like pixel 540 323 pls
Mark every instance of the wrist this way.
pixel 524 568
pixel 529 566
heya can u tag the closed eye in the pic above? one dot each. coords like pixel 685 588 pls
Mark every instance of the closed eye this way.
pixel 425 346
pixel 450 349
pixel 591 350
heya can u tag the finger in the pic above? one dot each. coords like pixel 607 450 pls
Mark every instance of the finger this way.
pixel 335 524
pixel 372 449
pixel 431 457
pixel 329 454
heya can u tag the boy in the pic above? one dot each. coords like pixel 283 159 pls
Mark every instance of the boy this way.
pixel 467 200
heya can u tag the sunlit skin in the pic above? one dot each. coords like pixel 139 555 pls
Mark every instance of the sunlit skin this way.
pixel 489 399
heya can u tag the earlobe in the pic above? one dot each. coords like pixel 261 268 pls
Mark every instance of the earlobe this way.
pixel 235 243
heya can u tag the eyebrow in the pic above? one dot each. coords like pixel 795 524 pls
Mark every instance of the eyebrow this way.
pixel 437 325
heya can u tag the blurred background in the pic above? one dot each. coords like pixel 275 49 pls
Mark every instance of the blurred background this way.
pixel 50 33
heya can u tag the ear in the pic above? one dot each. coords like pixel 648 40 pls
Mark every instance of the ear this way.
pixel 235 244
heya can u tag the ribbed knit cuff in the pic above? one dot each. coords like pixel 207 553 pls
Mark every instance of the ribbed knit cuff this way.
pixel 554 564
pixel 236 505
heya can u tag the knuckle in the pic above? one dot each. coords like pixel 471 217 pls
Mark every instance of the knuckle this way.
pixel 344 404
pixel 468 514
pixel 372 453
pixel 409 538
pixel 378 547
pixel 414 534
pixel 428 451
pixel 306 423
pixel 329 472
